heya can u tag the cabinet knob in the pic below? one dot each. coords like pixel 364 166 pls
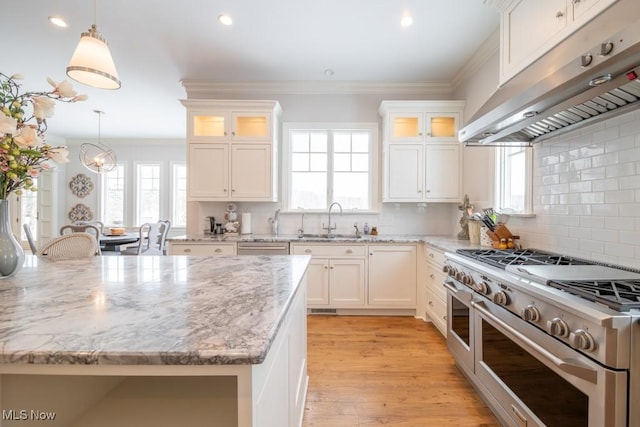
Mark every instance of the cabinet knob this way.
pixel 307 251
pixel 325 267
pixel 225 133
pixel 419 133
pixel 430 254
pixel 559 14
pixel 432 276
pixel 429 134
pixel 332 267
pixel 576 1
pixel 233 133
pixel 187 250
pixel 428 191
pixel 218 250
pixel 349 251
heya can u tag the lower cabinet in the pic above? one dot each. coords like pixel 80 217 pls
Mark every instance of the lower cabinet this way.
pixel 374 276
pixel 336 277
pixel 202 249
pixel 436 307
pixel 392 276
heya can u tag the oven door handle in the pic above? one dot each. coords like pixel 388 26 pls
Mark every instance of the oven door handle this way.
pixel 461 294
pixel 572 367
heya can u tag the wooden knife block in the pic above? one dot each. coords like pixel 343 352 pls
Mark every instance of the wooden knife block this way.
pixel 501 232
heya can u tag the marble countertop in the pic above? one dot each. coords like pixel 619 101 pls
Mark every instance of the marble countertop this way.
pixel 445 243
pixel 146 310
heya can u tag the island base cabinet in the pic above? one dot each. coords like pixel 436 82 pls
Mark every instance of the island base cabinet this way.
pixel 270 394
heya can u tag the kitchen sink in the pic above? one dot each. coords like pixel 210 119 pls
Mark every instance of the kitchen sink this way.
pixel 329 236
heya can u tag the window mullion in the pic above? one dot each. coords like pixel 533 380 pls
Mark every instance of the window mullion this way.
pixel 330 155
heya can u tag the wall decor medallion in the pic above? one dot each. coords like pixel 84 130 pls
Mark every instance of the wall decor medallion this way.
pixel 81 185
pixel 80 212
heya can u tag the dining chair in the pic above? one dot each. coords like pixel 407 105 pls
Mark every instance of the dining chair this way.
pixel 149 241
pixel 32 243
pixel 97 223
pixel 84 228
pixel 70 246
pixel 165 226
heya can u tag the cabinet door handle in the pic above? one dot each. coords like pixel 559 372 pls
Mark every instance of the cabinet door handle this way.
pixel 576 1
pixel 218 250
pixel 431 254
pixel 349 251
pixel 187 250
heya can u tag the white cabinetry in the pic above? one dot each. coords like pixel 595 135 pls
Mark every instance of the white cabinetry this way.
pixel 232 150
pixel 530 28
pixel 421 152
pixel 202 249
pixel 336 277
pixel 392 276
pixel 436 307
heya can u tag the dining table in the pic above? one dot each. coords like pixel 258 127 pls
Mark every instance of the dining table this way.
pixel 117 242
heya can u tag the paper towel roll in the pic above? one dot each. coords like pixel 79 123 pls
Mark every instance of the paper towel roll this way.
pixel 245 223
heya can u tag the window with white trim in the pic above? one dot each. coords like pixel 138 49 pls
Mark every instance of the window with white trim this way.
pixel 330 163
pixel 148 192
pixel 514 180
pixel 113 196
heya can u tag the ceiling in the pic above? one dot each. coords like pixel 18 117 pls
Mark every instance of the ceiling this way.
pixel 156 44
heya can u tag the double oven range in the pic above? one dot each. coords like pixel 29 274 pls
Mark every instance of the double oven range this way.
pixel 546 339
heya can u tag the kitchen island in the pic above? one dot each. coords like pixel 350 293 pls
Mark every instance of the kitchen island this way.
pixel 162 341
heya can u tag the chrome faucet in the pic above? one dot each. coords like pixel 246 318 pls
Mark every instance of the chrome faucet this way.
pixel 301 229
pixel 274 223
pixel 328 227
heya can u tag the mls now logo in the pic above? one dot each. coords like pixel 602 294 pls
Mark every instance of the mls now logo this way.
pixel 23 414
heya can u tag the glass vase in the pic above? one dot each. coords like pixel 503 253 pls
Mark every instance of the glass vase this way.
pixel 11 252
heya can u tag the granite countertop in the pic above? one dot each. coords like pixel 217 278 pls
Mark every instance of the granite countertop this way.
pixel 445 243
pixel 146 310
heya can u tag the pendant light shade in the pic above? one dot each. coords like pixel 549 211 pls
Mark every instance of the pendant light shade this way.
pixel 97 157
pixel 91 63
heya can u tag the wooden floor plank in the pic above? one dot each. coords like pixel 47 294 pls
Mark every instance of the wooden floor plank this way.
pixel 386 371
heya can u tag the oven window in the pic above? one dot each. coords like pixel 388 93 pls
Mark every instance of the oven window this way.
pixel 545 393
pixel 460 320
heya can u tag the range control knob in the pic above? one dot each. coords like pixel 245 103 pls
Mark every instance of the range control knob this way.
pixel 467 279
pixel 482 287
pixel 582 340
pixel 446 268
pixel 558 327
pixel 530 313
pixel 452 272
pixel 501 298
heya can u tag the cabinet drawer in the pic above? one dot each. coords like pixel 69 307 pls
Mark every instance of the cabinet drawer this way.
pixel 435 280
pixel 202 249
pixel 435 256
pixel 330 250
pixel 437 311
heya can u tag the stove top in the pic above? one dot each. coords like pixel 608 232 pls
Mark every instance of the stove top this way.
pixel 620 292
pixel 502 258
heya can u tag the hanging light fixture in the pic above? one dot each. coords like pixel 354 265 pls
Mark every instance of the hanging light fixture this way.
pixel 97 157
pixel 91 63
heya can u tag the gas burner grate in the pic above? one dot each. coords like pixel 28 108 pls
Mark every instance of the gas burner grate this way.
pixel 619 295
pixel 501 258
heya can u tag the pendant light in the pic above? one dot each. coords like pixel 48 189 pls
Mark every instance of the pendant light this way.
pixel 91 63
pixel 97 157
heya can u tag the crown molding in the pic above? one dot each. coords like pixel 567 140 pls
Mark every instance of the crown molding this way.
pixel 482 55
pixel 203 88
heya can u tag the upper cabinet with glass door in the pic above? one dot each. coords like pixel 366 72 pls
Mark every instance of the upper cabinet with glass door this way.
pixel 230 125
pixel 421 121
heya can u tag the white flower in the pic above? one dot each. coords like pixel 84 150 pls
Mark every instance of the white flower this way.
pixel 27 138
pixel 7 125
pixel 82 97
pixel 59 154
pixel 43 107
pixel 64 88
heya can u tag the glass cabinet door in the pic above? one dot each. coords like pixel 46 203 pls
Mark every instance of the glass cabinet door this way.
pixel 406 127
pixel 251 126
pixel 209 125
pixel 442 127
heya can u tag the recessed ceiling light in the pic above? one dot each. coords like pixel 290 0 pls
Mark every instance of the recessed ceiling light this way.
pixel 225 19
pixel 406 21
pixel 57 21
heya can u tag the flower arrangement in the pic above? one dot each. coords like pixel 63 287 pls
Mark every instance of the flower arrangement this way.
pixel 23 124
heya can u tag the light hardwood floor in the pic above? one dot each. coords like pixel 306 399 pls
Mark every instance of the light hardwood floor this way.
pixel 392 371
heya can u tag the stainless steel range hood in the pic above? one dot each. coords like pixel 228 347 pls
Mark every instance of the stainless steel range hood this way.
pixel 559 92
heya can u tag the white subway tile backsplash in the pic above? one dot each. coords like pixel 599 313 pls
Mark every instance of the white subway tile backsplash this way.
pixel 587 193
